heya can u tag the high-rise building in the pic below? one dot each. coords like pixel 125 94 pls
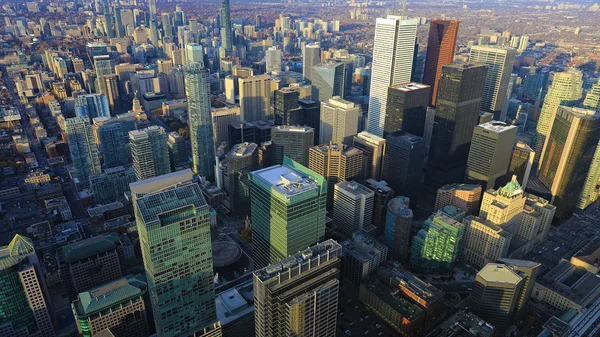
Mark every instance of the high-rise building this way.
pixel 197 88
pixel 178 153
pixel 194 53
pixel 397 228
pixel 111 184
pixel 529 271
pixel 521 162
pixel 25 309
pixel 328 80
pixel 311 56
pixel 441 46
pixel 299 195
pixel 165 66
pixel 287 107
pixel 226 29
pixel 495 294
pixel 241 160
pixel 456 114
pixel 352 206
pixel 590 191
pixel 110 87
pixel 462 196
pixel 335 162
pixel 393 53
pixel 484 241
pixel 273 59
pixel 406 108
pixel 149 152
pixel 174 226
pixel 490 152
pixel 362 256
pixel 499 62
pixel 119 28
pixel 92 262
pixel 567 156
pixel 339 121
pixel 152 9
pixel 299 295
pixel 112 139
pixel 566 89
pixel 403 163
pixel 437 245
pixel 293 142
pixel 91 106
pixel 373 148
pixel 255 98
pixel 383 195
pixel 119 306
pixel 84 153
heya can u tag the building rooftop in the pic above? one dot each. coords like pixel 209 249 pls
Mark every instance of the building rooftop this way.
pixel 497 127
pixel 354 188
pixel 404 138
pixel 398 206
pixel 521 145
pixel 369 137
pixel 286 180
pixel 242 150
pixel 464 324
pixel 590 253
pixel 393 271
pixel 107 295
pixel 337 101
pixel 347 150
pixel 235 302
pixel 499 230
pixel 362 247
pixel 499 273
pixel 378 186
pixel 17 250
pixel 292 128
pixel 89 247
pixel 101 209
pixel 410 86
pixel 391 296
pixel 581 112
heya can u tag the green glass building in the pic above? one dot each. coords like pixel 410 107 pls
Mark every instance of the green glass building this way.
pixel 591 190
pixel 173 223
pixel 288 205
pixel 436 246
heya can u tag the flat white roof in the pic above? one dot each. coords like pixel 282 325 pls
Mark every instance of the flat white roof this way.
pixel 286 180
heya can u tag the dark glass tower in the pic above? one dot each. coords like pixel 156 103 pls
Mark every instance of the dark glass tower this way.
pixel 286 103
pixel 406 108
pixel 403 164
pixel 226 25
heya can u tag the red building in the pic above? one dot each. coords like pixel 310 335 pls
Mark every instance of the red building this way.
pixel 440 52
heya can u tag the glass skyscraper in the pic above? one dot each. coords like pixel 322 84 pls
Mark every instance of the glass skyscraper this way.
pixel 173 223
pixel 84 153
pixel 226 38
pixel 112 137
pixel 149 152
pixel 197 88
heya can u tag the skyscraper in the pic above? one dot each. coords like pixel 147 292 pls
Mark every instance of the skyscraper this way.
pixel 457 112
pixel 197 89
pixel 112 139
pixel 311 56
pixel 406 108
pixel 293 142
pixel 91 106
pixel 111 184
pixel 352 206
pixel 241 160
pixel 119 23
pixel 441 46
pixel 273 59
pixel 463 196
pixel 397 228
pixel 178 152
pixel 286 103
pixel 521 162
pixel 23 293
pixel 328 80
pixel 299 295
pixel 194 53
pixel 373 148
pixel 255 98
pixel 403 164
pixel 567 156
pixel 289 200
pixel 490 152
pixel 339 121
pixel 499 62
pixel 174 227
pixel 149 152
pixel 84 153
pixel 393 53
pixel 383 195
pixel 152 9
pixel 110 87
pixel 565 90
pixel 590 191
pixel 226 33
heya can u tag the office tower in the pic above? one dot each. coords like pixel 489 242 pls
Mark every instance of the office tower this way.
pixel 496 294
pixel 383 195
pixel 255 98
pixel 490 152
pixel 273 59
pixel 403 164
pixel 328 80
pixel 437 245
pixel 107 20
pixel 484 241
pixel 111 185
pixel 300 196
pixel 521 162
pixel 397 228
pixel 226 33
pixel 406 108
pixel 83 150
pixel 24 294
pixel 568 153
pixel 149 152
pixel 456 114
pixel 335 162
pixel 103 254
pixel 110 87
pixel 393 53
pixel 91 106
pixel 462 196
pixel 165 66
pixel 299 295
pixel 565 90
pixel 529 271
pixel 441 46
pixel 194 53
pixel 197 88
pixel 352 207
pixel 362 257
pixel 310 116
pixel 590 191
pixel 152 9
pixel 286 103
pixel 178 153
pixel 293 142
pixel 102 65
pixel 118 306
pixel 173 222
pixel 373 148
pixel 523 43
pixel 499 62
pixel 119 28
pixel 112 138
pixel 241 160
pixel 311 56
pixel 339 121
pixel 252 132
